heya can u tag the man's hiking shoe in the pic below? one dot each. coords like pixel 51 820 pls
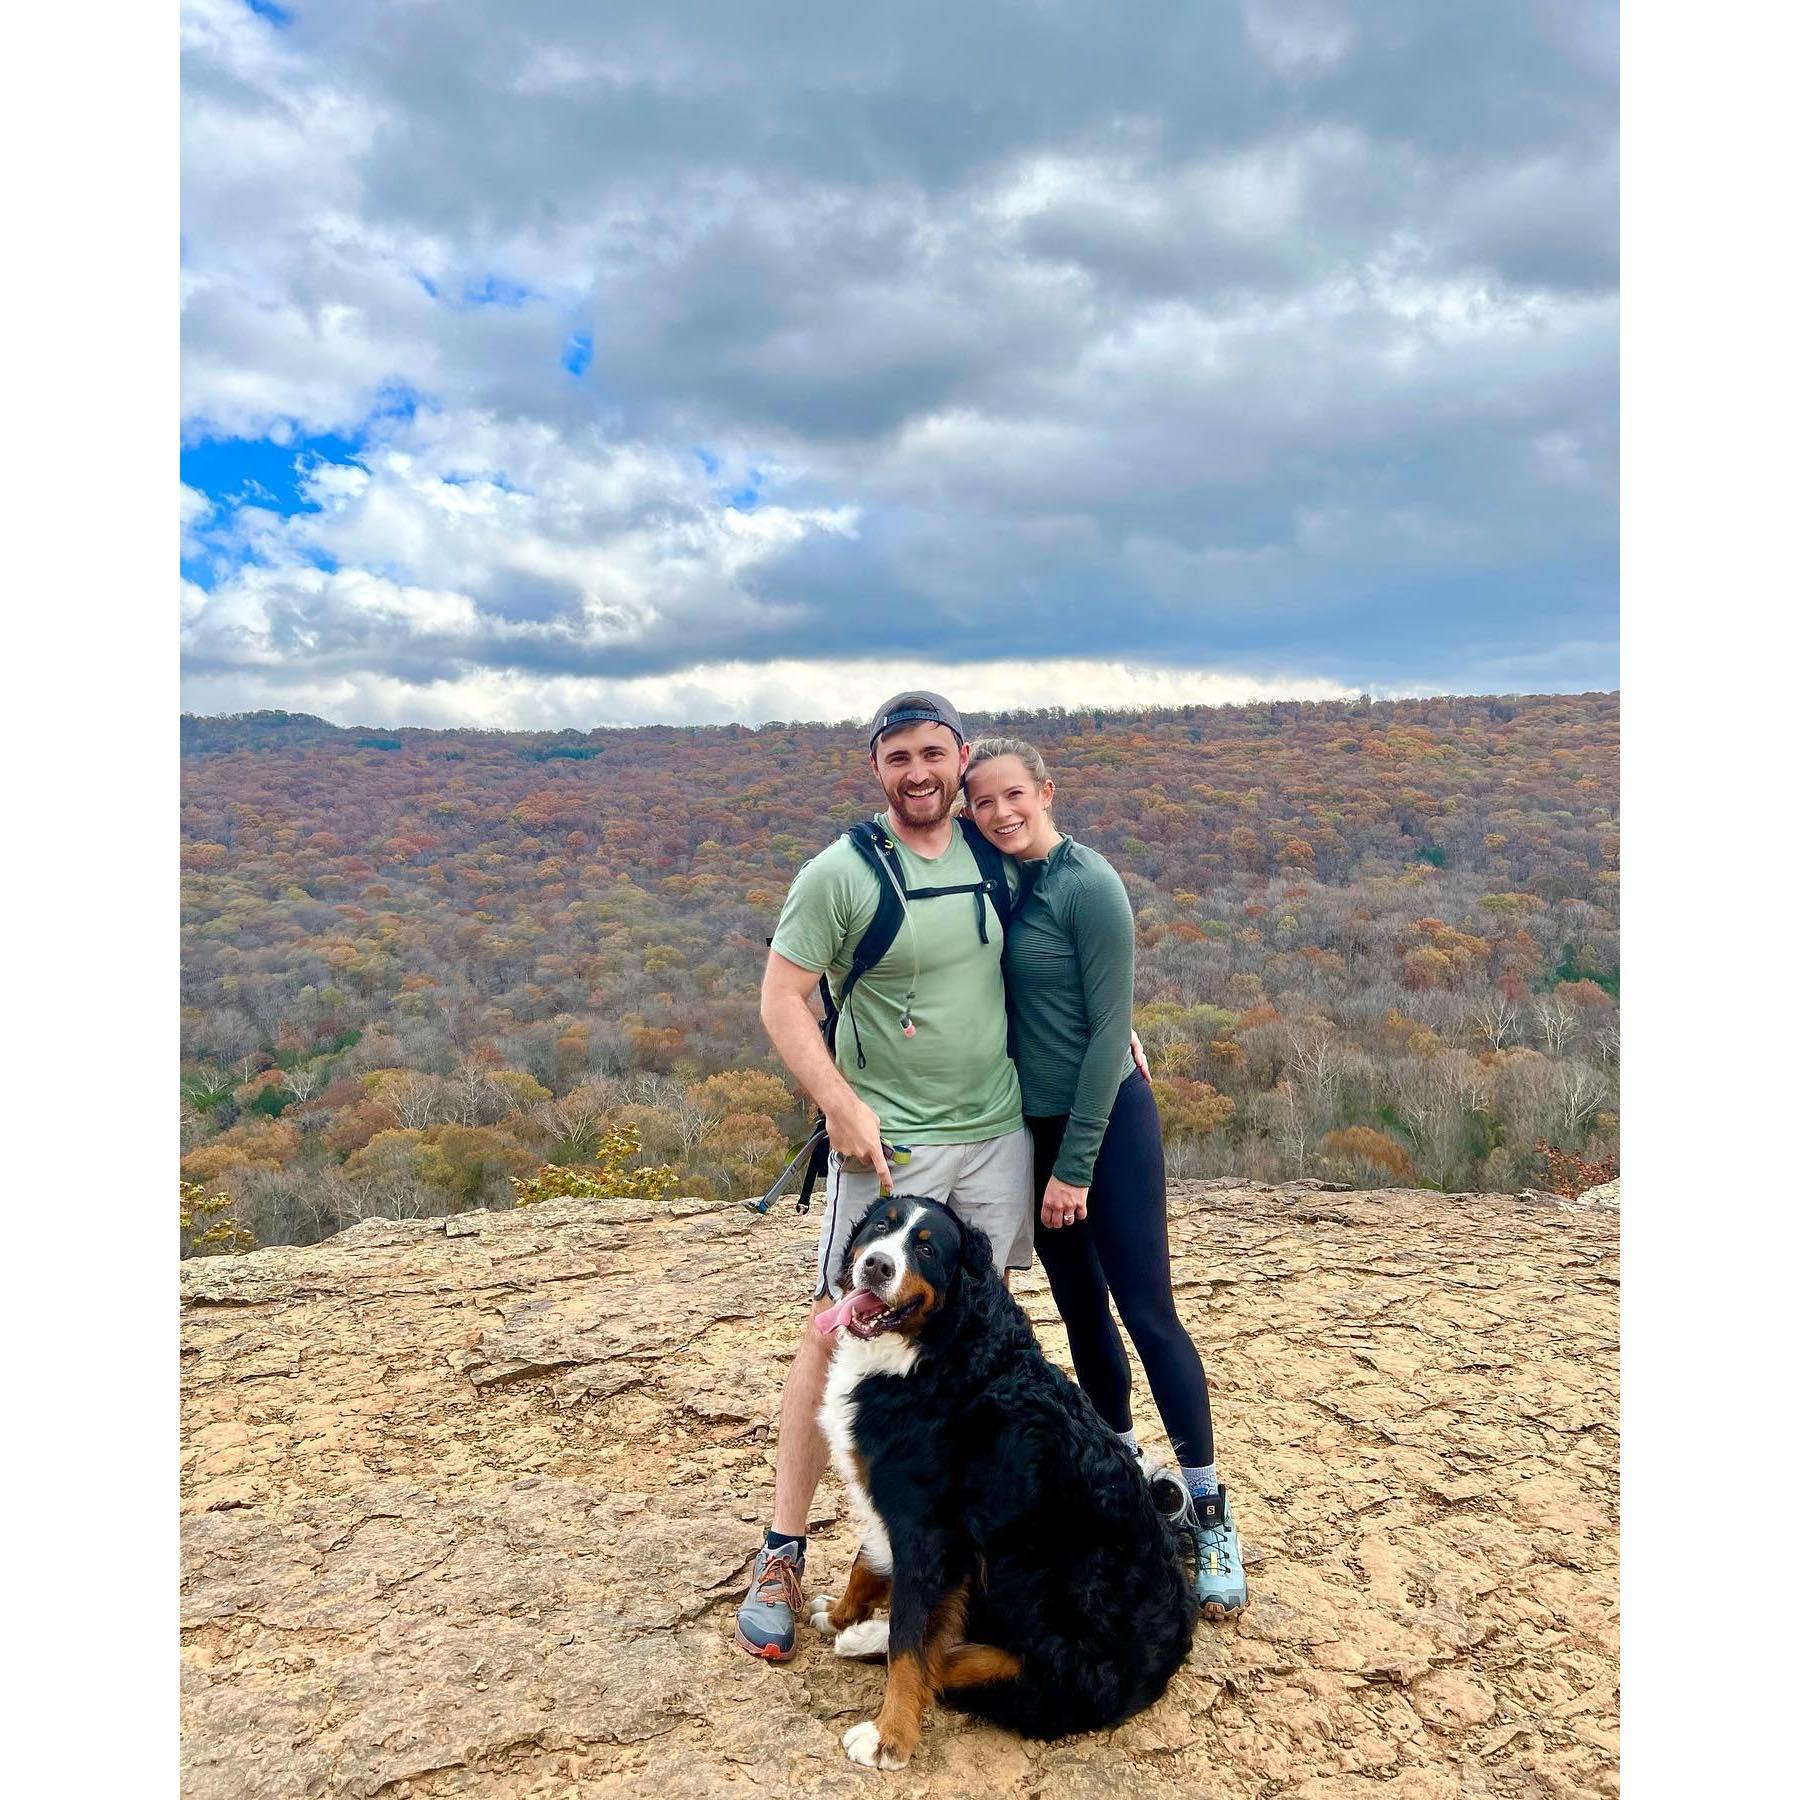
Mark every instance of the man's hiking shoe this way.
pixel 765 1621
pixel 1219 1570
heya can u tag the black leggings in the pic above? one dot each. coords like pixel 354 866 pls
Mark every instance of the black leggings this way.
pixel 1123 1246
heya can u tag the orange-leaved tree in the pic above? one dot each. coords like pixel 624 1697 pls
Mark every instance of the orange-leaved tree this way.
pixel 1364 1153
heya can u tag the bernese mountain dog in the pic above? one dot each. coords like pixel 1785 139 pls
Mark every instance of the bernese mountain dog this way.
pixel 1029 1575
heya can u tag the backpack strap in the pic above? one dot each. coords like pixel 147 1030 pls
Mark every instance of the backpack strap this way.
pixel 992 864
pixel 873 843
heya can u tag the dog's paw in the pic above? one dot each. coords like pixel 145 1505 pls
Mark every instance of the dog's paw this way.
pixel 863 1745
pixel 819 1611
pixel 870 1638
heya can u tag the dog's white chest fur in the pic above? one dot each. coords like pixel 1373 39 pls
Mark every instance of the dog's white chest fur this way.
pixel 852 1362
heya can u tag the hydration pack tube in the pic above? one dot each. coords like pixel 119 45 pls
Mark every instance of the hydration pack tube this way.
pixel 876 847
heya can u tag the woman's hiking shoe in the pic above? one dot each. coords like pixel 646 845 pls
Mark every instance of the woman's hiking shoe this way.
pixel 765 1621
pixel 1219 1567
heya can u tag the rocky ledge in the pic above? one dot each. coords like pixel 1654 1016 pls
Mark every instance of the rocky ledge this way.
pixel 467 1506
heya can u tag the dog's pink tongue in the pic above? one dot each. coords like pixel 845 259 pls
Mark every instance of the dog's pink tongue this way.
pixel 859 1303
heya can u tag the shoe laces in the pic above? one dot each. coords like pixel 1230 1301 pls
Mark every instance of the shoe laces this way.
pixel 778 1579
pixel 1219 1539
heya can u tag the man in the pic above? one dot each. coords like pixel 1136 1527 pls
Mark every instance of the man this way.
pixel 920 1062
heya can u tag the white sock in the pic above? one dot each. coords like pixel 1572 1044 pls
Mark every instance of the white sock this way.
pixel 1201 1483
pixel 1128 1437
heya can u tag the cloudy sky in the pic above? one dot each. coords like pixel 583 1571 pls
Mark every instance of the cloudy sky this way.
pixel 558 364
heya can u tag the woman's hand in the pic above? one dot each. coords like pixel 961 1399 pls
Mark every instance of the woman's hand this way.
pixel 1138 1057
pixel 1063 1205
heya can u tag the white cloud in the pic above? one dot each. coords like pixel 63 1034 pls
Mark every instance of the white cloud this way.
pixel 497 543
pixel 1265 312
pixel 747 693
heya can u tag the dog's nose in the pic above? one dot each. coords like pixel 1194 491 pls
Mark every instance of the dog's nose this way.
pixel 877 1269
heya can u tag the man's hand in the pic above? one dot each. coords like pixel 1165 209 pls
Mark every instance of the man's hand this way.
pixel 856 1137
pixel 1138 1057
pixel 1063 1205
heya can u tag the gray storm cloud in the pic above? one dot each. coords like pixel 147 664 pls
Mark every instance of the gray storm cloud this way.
pixel 1274 340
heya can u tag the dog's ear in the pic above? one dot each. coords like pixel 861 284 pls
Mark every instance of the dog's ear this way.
pixel 981 1305
pixel 976 1258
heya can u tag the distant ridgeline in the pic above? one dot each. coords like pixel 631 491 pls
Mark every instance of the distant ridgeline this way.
pixel 1375 940
pixel 289 731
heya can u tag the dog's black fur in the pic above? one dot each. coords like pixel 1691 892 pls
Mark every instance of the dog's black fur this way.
pixel 990 1468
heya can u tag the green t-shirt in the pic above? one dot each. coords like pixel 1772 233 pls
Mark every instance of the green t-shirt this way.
pixel 952 1081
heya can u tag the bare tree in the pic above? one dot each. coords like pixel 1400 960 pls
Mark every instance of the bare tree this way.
pixel 1430 1102
pixel 1320 1058
pixel 1285 1114
pixel 1556 1020
pixel 208 1087
pixel 415 1099
pixel 1524 1088
pixel 470 1095
pixel 1466 1082
pixel 304 1080
pixel 692 1121
pixel 574 1123
pixel 1495 1017
pixel 644 1087
pixel 387 1195
pixel 1578 1092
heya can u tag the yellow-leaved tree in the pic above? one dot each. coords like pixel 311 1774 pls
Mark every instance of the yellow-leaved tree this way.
pixel 608 1177
pixel 209 1224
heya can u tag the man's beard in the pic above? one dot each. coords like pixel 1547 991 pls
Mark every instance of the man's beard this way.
pixel 923 810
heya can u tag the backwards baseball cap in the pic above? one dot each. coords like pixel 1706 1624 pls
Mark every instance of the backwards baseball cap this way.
pixel 914 707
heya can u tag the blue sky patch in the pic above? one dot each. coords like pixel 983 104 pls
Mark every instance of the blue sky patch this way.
pixel 749 496
pixel 258 471
pixel 578 352
pixel 278 16
pixel 395 402
pixel 496 290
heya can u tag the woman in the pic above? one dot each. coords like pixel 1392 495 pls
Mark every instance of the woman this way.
pixel 1103 1222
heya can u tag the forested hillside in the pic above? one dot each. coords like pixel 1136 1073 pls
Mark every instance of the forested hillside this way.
pixel 1375 940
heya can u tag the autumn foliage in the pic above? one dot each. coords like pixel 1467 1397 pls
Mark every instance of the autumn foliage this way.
pixel 610 1176
pixel 1571 1175
pixel 209 1226
pixel 419 966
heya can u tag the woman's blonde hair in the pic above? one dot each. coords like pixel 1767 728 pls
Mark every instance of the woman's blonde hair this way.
pixel 987 748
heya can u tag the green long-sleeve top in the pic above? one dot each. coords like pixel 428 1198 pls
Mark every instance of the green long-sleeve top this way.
pixel 1068 963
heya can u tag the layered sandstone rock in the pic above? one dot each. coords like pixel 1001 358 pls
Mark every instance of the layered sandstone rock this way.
pixel 468 1505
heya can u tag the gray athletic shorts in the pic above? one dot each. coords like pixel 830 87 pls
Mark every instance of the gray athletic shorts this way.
pixel 989 1184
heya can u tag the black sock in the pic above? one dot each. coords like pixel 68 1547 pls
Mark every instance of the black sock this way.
pixel 773 1540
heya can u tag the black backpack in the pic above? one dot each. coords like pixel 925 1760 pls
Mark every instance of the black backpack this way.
pixel 875 845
